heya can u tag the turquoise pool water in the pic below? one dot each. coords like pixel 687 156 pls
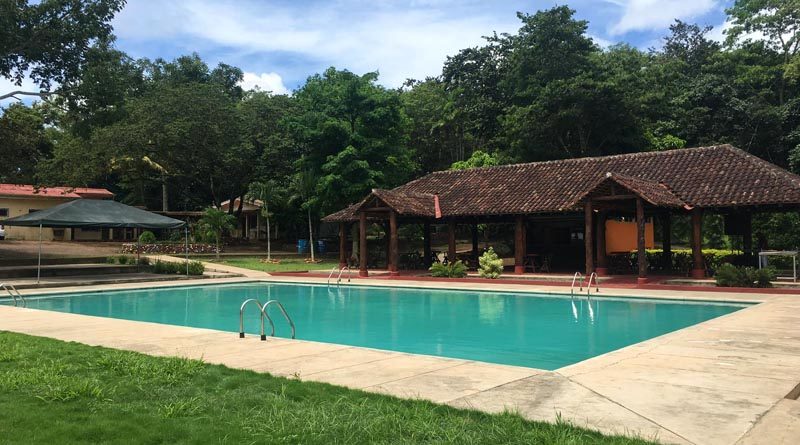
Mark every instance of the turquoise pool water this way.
pixel 516 329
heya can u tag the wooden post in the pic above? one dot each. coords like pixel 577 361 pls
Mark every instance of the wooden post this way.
pixel 666 241
pixel 342 245
pixel 602 259
pixel 587 236
pixel 641 254
pixel 362 245
pixel 699 268
pixel 451 241
pixel 475 253
pixel 426 250
pixel 747 238
pixel 394 255
pixel 519 246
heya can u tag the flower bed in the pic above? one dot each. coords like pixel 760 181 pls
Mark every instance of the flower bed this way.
pixel 168 248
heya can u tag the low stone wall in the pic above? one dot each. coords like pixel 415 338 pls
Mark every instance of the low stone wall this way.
pixel 168 248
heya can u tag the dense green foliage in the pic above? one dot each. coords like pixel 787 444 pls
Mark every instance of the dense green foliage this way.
pixel 490 265
pixel 453 269
pixel 547 91
pixel 168 267
pixel 729 275
pixel 88 394
pixel 147 237
pixel 213 224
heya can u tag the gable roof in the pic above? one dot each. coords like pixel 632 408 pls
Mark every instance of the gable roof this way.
pixel 404 203
pixel 30 191
pixel 706 177
pixel 652 192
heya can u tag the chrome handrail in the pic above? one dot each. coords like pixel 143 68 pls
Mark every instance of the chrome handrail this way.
pixel 339 278
pixel 593 276
pixel 241 317
pixel 15 296
pixel 572 287
pixel 285 315
pixel 331 274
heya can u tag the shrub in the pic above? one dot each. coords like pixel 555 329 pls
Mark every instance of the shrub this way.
pixel 452 270
pixel 147 237
pixel 124 259
pixel 144 261
pixel 490 265
pixel 196 268
pixel 729 275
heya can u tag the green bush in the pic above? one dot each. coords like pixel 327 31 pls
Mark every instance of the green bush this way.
pixel 124 259
pixel 490 265
pixel 147 237
pixel 196 268
pixel 452 270
pixel 169 268
pixel 729 275
pixel 144 261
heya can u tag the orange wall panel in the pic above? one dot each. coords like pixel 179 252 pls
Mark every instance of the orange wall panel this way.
pixel 621 236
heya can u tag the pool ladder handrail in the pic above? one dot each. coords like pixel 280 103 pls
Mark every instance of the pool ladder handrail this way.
pixel 283 311
pixel 241 317
pixel 575 277
pixel 592 277
pixel 333 271
pixel 339 278
pixel 15 295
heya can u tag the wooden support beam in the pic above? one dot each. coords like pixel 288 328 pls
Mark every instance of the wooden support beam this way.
pixel 588 214
pixel 394 255
pixel 602 258
pixel 641 253
pixel 362 245
pixel 613 197
pixel 342 245
pixel 519 246
pixel 451 241
pixel 698 268
pixel 426 250
pixel 666 241
pixel 475 253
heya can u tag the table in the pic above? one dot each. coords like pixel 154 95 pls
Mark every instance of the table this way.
pixel 762 259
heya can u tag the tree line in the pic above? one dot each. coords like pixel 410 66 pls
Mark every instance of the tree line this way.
pixel 180 135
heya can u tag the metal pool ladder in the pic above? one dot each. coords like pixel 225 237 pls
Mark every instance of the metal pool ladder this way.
pixel 575 278
pixel 592 277
pixel 263 314
pixel 333 271
pixel 14 293
pixel 339 278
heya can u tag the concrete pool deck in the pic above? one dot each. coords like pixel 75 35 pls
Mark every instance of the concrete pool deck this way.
pixel 723 381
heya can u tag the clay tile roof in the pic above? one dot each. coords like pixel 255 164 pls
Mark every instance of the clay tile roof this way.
pixel 30 191
pixel 406 203
pixel 652 192
pixel 706 177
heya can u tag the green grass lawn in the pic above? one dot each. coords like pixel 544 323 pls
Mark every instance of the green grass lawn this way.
pixel 57 392
pixel 286 265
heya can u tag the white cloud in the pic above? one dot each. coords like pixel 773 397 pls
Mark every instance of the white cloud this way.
pixel 265 82
pixel 411 39
pixel 646 15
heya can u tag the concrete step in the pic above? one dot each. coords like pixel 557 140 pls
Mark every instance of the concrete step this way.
pixel 62 270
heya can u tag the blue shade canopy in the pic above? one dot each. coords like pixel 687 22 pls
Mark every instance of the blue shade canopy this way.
pixel 95 213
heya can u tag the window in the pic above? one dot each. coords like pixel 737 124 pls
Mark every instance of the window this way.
pixel 3 213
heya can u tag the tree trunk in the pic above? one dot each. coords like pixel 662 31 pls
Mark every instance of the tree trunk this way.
pixel 219 236
pixel 269 243
pixel 311 236
pixel 164 193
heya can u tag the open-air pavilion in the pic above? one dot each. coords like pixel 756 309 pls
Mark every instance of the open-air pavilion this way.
pixel 544 199
pixel 95 214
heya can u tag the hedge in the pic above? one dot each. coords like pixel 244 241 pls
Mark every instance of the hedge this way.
pixel 168 248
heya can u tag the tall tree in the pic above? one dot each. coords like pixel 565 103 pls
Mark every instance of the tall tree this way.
pixel 47 41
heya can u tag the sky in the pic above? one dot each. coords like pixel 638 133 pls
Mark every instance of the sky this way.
pixel 279 43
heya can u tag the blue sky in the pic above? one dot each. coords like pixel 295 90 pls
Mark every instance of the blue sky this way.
pixel 279 43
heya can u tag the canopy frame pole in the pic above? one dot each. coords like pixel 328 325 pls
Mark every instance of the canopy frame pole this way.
pixel 186 247
pixel 39 265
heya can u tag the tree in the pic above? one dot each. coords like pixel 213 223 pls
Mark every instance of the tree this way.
pixel 304 186
pixel 24 142
pixel 777 20
pixel 214 223
pixel 478 159
pixel 265 192
pixel 47 41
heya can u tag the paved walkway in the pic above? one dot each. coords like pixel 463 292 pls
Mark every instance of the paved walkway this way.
pixel 718 382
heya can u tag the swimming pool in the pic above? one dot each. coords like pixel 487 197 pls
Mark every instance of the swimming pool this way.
pixel 538 331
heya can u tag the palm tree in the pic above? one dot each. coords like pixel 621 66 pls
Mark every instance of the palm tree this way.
pixel 214 222
pixel 266 192
pixel 304 185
